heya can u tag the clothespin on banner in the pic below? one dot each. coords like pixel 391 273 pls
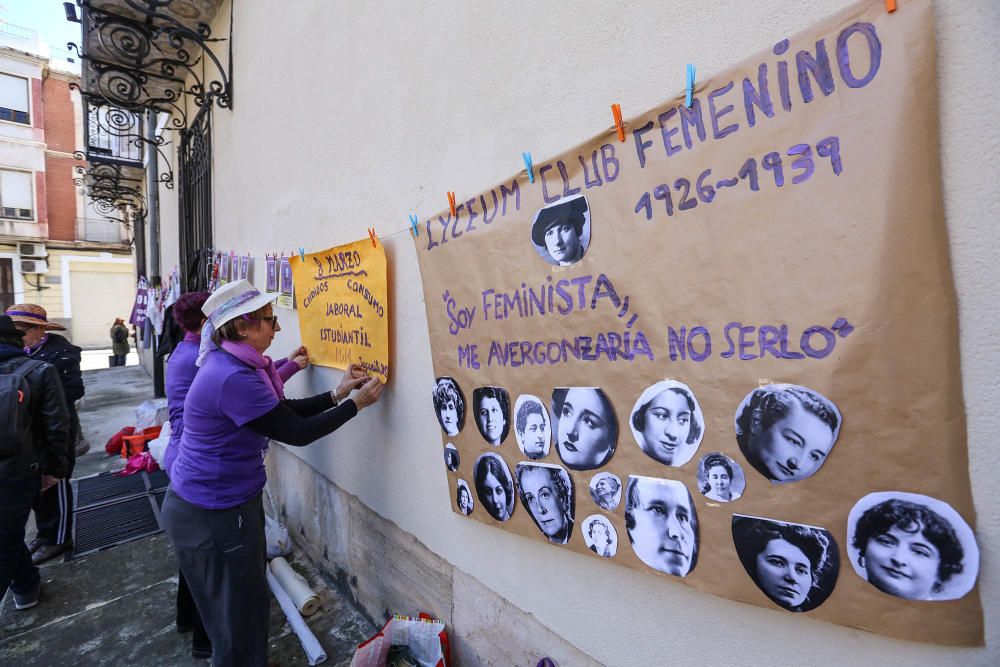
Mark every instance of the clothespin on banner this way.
pixel 373 236
pixel 689 86
pixel 302 253
pixel 616 111
pixel 451 203
pixel 890 6
pixel 413 225
pixel 528 165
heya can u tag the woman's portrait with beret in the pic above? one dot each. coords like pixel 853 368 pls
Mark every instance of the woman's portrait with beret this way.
pixel 560 232
pixel 667 423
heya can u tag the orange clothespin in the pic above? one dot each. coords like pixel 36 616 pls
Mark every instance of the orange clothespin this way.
pixel 890 6
pixel 616 111
pixel 451 203
pixel 373 236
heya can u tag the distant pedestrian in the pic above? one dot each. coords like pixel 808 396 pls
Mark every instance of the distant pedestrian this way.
pixel 54 506
pixel 119 342
pixel 34 451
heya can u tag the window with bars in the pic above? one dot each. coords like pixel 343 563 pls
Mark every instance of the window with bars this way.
pixel 16 196
pixel 14 99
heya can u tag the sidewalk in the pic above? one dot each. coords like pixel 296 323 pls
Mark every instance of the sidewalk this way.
pixel 116 607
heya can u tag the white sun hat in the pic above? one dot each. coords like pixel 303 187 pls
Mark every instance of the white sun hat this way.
pixel 226 303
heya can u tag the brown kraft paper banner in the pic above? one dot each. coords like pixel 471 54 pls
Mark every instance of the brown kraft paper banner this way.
pixel 838 280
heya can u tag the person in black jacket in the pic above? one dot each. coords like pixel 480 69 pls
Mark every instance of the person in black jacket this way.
pixel 32 456
pixel 54 506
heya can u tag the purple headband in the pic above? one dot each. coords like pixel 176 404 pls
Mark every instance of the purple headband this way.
pixel 235 302
pixel 24 313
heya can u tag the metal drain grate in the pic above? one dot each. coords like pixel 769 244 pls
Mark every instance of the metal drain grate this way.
pixel 98 489
pixel 159 496
pixel 112 524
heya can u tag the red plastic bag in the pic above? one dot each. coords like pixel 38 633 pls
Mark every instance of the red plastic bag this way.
pixel 425 637
pixel 114 444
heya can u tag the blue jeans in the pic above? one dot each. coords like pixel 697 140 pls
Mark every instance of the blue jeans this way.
pixel 16 570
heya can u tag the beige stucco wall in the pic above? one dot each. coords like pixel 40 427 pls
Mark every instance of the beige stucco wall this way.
pixel 348 116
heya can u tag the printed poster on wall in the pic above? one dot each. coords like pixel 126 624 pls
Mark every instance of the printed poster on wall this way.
pixel 342 296
pixel 724 349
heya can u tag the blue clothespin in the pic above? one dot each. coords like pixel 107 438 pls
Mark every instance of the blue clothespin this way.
pixel 690 85
pixel 527 165
pixel 302 253
pixel 413 225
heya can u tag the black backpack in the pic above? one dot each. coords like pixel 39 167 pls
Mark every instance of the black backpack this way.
pixel 15 402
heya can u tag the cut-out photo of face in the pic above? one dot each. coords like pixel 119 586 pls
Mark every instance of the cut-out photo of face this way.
pixel 531 426
pixel 786 432
pixel 560 232
pixel 494 486
pixel 245 267
pixel 449 405
pixel 600 536
pixel 662 524
pixel 224 268
pixel 912 546
pixel 667 423
pixel 451 458
pixel 585 427
pixel 463 498
pixel 720 478
pixel 491 408
pixel 546 491
pixel 606 490
pixel 794 565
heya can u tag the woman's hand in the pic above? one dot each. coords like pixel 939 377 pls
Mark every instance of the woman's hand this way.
pixel 369 393
pixel 300 357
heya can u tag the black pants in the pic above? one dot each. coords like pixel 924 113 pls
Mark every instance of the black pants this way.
pixel 188 615
pixel 54 506
pixel 222 554
pixel 119 359
pixel 16 570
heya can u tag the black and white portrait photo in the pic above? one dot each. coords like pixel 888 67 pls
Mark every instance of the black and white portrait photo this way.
pixel 912 546
pixel 546 491
pixel 606 490
pixel 720 478
pixel 795 566
pixel 600 536
pixel 449 405
pixel 451 458
pixel 786 432
pixel 667 423
pixel 491 408
pixel 560 232
pixel 463 498
pixel 662 524
pixel 586 429
pixel 531 426
pixel 494 486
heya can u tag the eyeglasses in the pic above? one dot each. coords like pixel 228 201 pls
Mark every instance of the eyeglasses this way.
pixel 272 319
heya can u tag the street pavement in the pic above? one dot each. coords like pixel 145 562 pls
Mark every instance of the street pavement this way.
pixel 116 607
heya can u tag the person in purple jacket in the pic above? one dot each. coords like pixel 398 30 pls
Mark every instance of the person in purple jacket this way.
pixel 212 511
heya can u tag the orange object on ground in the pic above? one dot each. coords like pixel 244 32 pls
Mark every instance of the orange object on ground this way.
pixel 137 442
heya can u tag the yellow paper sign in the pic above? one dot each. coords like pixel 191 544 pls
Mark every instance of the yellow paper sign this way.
pixel 343 306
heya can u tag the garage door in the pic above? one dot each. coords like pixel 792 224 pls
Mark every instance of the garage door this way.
pixel 98 294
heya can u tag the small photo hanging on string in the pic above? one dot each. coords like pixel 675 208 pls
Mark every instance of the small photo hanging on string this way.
pixel 286 299
pixel 224 269
pixel 245 267
pixel 272 273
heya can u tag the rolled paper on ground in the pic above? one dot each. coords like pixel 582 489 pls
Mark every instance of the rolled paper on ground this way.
pixel 304 598
pixel 314 652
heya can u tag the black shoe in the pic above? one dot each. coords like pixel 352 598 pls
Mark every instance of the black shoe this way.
pixel 201 652
pixel 35 545
pixel 49 551
pixel 30 599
